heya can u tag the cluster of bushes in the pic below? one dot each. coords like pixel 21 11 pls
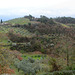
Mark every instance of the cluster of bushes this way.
pixel 34 56
pixel 17 38
pixel 30 17
pixel 65 20
pixel 46 20
pixel 71 72
pixel 28 48
pixel 35 44
pixel 29 66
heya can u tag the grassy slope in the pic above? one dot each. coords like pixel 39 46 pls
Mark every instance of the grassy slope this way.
pixel 21 21
pixel 3 39
pixel 6 28
pixel 65 25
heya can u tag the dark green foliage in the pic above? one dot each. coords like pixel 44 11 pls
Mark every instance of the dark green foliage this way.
pixel 51 21
pixel 70 72
pixel 65 20
pixel 31 60
pixel 43 19
pixel 29 24
pixel 39 56
pixel 1 21
pixel 52 62
pixel 43 50
pixel 30 17
pixel 46 20
pixel 24 55
pixel 71 67
pixel 16 38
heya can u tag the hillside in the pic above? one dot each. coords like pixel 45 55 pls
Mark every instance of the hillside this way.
pixel 21 21
pixel 44 45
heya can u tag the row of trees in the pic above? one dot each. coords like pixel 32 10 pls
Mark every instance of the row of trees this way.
pixel 65 20
pixel 46 20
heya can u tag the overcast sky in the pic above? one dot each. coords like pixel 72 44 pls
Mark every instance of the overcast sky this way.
pixel 50 8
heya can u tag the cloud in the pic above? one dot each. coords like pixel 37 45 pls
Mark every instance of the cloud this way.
pixel 50 8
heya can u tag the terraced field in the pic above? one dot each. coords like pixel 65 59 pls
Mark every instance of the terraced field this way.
pixel 23 32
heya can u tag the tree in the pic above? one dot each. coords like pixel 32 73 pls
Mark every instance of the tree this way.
pixel 30 17
pixel 28 66
pixel 1 21
pixel 65 20
pixel 51 21
pixel 43 19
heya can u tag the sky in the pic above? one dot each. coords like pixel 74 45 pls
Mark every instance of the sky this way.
pixel 10 9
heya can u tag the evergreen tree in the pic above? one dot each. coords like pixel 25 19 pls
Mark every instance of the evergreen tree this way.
pixel 1 21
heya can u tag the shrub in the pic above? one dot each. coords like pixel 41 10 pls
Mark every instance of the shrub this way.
pixel 53 62
pixel 28 66
pixel 29 24
pixel 25 56
pixel 43 50
pixel 70 72
pixel 39 56
pixel 31 60
pixel 35 56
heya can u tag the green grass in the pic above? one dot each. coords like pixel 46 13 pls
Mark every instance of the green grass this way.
pixel 35 56
pixel 65 25
pixel 20 21
pixel 71 25
pixel 3 39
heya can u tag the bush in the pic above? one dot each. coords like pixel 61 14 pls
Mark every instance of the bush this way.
pixel 28 66
pixel 53 63
pixel 35 56
pixel 43 50
pixel 39 56
pixel 31 60
pixel 29 24
pixel 70 72
pixel 25 56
